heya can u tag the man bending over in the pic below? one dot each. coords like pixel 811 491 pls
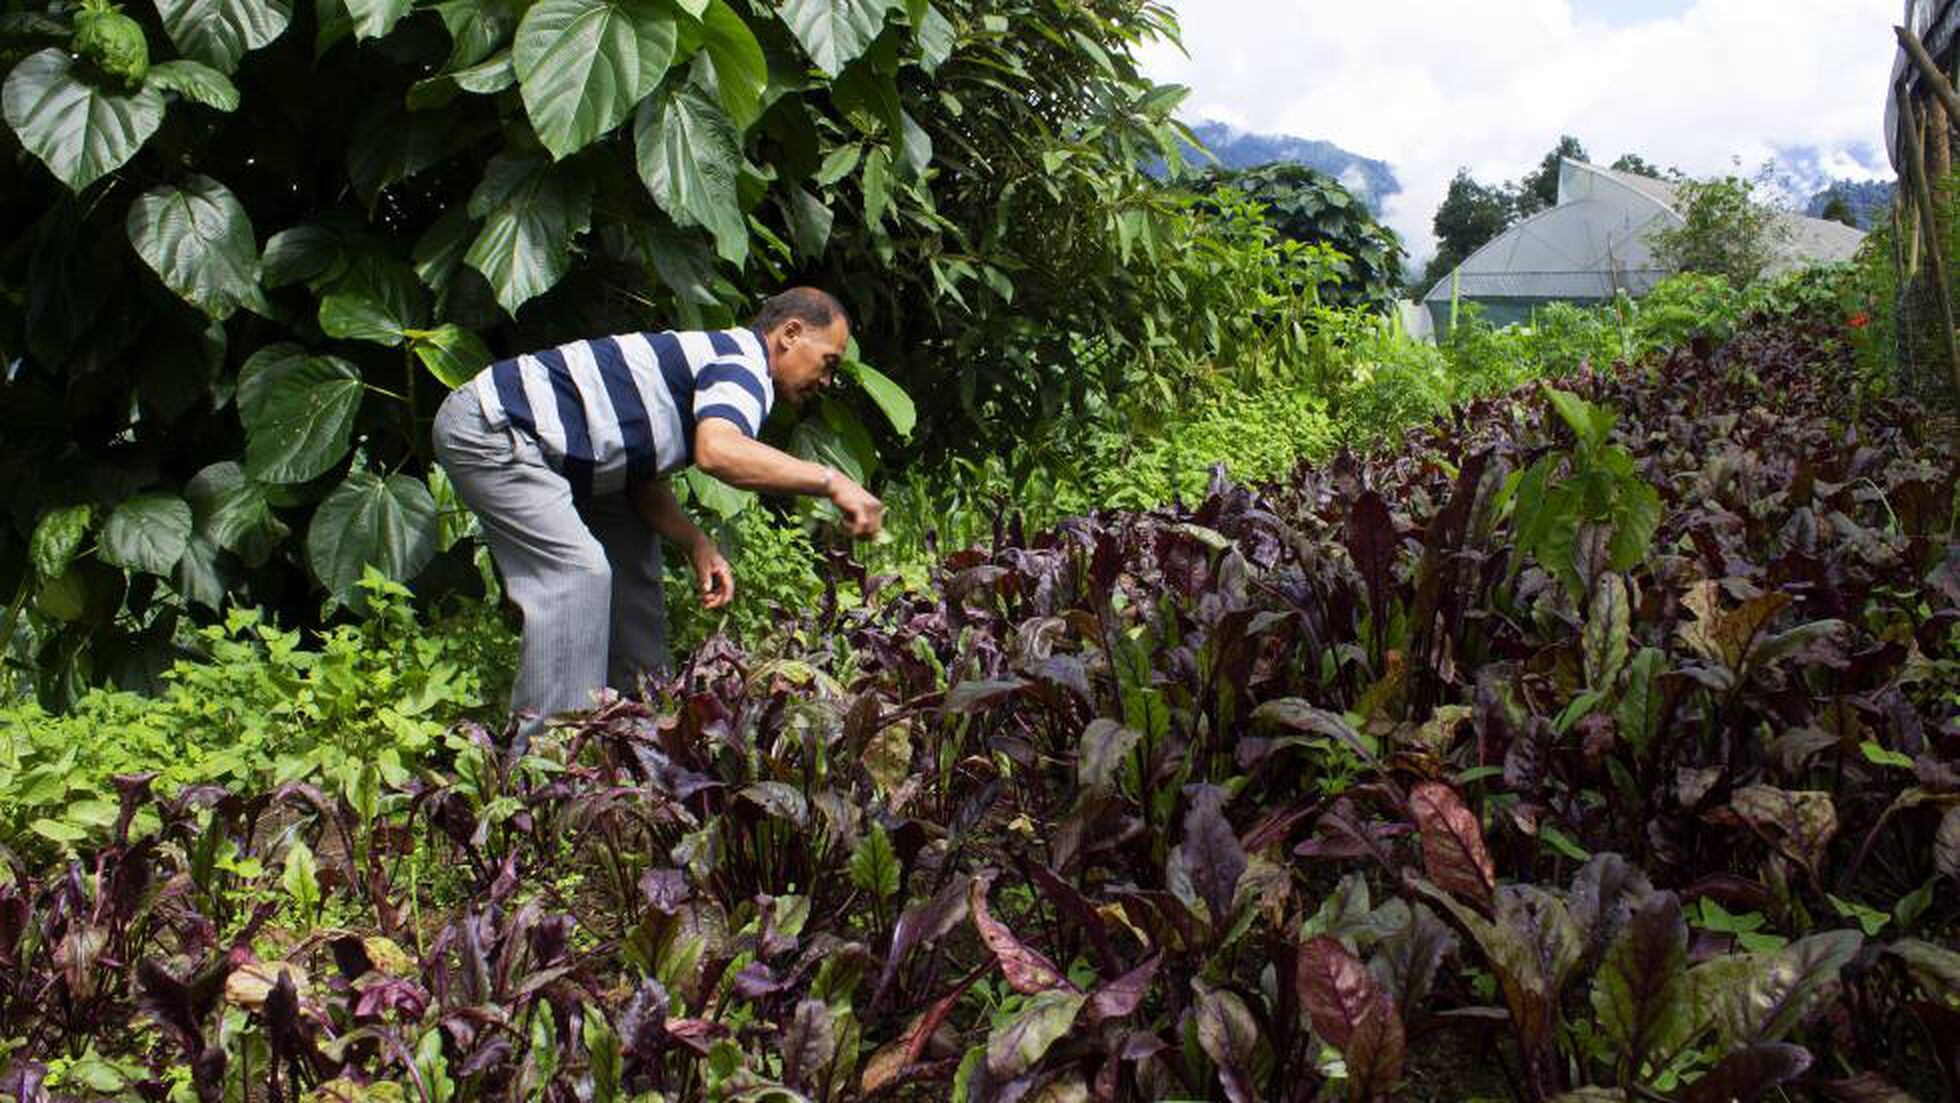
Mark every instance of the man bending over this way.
pixel 565 456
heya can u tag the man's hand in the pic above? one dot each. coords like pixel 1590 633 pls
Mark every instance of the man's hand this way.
pixel 712 578
pixel 863 514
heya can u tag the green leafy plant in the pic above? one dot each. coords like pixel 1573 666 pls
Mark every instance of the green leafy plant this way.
pixel 1586 510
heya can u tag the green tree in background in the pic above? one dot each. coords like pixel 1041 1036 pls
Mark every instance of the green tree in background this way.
pixel 1727 230
pixel 239 284
pixel 1538 191
pixel 1312 208
pixel 1838 209
pixel 1637 165
pixel 1470 216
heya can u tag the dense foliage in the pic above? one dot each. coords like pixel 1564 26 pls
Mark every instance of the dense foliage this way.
pixel 1313 208
pixel 235 297
pixel 1728 228
pixel 1601 741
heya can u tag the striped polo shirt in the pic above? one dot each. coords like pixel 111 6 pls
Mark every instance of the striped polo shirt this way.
pixel 613 411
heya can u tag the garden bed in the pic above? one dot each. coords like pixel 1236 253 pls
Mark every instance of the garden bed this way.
pixel 1601 743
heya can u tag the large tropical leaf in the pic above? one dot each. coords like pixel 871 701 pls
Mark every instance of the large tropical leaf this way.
pixel 690 157
pixel 890 398
pixel 380 300
pixel 79 131
pixel 219 32
pixel 233 512
pixel 374 18
pixel 367 520
pixel 195 81
pixel 298 412
pixel 477 28
pixel 532 211
pixel 451 353
pixel 198 239
pixel 583 64
pixel 147 533
pixel 834 32
pixel 741 70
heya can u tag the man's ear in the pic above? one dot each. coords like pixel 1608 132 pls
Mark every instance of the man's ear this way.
pixel 792 330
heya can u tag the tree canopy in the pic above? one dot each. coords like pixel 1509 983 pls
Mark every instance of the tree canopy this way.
pixel 1313 208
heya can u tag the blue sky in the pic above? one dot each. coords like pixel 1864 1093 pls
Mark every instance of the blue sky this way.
pixel 1430 85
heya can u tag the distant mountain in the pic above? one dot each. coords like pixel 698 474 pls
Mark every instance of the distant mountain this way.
pixel 1805 176
pixel 1369 180
pixel 1869 200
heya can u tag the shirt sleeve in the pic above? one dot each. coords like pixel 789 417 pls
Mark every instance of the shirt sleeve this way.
pixel 730 390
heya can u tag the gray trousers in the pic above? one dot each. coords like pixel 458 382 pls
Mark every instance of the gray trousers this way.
pixel 585 575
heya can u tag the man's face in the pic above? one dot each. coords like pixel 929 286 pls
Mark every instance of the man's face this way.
pixel 804 358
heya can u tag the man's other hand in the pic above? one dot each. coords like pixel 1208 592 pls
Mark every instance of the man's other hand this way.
pixel 712 578
pixel 863 514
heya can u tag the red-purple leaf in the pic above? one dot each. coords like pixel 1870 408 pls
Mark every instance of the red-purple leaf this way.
pixel 1336 989
pixel 1372 541
pixel 1081 914
pixel 1452 842
pixel 1119 997
pixel 1641 994
pixel 977 696
pixel 810 1043
pixel 1946 844
pixel 1212 853
pixel 1375 1051
pixel 1866 1087
pixel 1026 969
pixel 1747 1074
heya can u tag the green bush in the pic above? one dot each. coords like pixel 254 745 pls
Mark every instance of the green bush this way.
pixel 358 703
pixel 1256 435
pixel 776 567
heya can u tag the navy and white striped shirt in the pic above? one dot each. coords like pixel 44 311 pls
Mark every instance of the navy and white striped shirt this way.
pixel 614 411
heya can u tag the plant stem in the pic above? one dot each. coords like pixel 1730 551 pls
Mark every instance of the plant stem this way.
pixel 13 613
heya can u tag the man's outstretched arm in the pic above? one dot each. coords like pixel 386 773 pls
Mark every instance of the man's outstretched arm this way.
pixel 655 502
pixel 722 450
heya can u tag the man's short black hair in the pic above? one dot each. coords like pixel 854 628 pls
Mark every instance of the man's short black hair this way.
pixel 812 306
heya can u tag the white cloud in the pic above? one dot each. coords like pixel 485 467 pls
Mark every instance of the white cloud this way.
pixel 1428 86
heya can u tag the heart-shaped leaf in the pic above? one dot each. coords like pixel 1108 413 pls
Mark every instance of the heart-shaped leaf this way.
pixel 834 32
pixel 234 513
pixel 375 18
pixel 198 240
pixel 741 69
pixel 389 524
pixel 219 32
pixel 57 537
pixel 532 210
pixel 147 533
pixel 79 131
pixel 451 353
pixel 690 158
pixel 583 64
pixel 298 412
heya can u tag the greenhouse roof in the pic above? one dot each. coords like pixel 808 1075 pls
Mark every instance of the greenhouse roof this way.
pixel 1595 242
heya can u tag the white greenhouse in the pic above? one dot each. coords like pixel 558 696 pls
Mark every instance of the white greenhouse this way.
pixel 1593 245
